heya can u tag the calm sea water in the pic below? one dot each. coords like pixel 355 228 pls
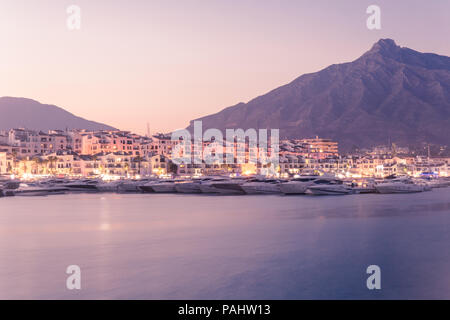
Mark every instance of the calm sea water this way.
pixel 156 246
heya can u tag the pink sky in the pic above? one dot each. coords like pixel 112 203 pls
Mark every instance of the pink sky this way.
pixel 168 62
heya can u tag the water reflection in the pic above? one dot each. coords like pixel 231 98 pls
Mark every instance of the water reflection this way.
pixel 205 247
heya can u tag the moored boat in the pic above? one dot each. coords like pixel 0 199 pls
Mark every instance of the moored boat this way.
pixel 364 186
pixel 112 186
pixel 147 187
pixel 329 187
pixel 232 186
pixel 192 186
pixel 129 186
pixel 208 185
pixel 26 190
pixel 297 185
pixel 264 186
pixel 82 186
pixel 399 185
pixel 158 186
pixel 167 186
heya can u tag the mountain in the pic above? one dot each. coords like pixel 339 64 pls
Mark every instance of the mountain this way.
pixel 30 114
pixel 390 93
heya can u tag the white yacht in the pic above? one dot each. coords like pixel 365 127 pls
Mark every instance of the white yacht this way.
pixel 231 186
pixel 30 192
pixel 433 183
pixel 297 185
pixel 26 190
pixel 262 186
pixel 191 186
pixel 207 186
pixel 364 186
pixel 426 185
pixel 11 184
pixel 188 187
pixel 159 186
pixel 110 186
pixel 399 185
pixel 129 186
pixel 147 186
pixel 4 192
pixel 166 186
pixel 132 185
pixel 328 187
pixel 82 186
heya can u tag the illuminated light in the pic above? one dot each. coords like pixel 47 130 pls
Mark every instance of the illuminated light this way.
pixel 248 169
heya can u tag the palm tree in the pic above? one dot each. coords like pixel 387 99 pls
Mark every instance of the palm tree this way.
pixel 172 168
pixel 97 168
pixel 126 167
pixel 14 158
pixel 44 166
pixel 9 168
pixel 38 162
pixel 52 160
pixel 139 159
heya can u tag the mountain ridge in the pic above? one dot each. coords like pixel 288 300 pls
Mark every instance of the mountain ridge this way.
pixel 17 112
pixel 390 93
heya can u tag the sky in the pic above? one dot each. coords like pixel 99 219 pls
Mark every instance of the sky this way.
pixel 165 63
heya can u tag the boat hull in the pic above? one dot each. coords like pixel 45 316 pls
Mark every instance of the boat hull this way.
pixel 39 192
pixel 90 189
pixel 329 190
pixel 189 187
pixel 108 188
pixel 292 188
pixel 146 189
pixel 164 188
pixel 132 187
pixel 399 189
pixel 229 188
pixel 261 188
pixel 208 188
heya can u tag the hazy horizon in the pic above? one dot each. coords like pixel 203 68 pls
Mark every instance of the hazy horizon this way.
pixel 166 63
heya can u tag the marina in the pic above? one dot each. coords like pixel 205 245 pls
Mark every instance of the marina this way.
pixel 225 156
pixel 194 246
pixel 302 185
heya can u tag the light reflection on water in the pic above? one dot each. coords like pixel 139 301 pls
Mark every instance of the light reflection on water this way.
pixel 159 246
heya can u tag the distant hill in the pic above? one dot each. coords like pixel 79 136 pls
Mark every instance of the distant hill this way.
pixel 30 114
pixel 390 93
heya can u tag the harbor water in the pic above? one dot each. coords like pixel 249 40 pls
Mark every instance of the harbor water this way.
pixel 174 246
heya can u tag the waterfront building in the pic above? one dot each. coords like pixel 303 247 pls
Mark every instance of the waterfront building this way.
pixel 3 163
pixel 122 153
pixel 158 164
pixel 316 148
pixel 320 148
pixel 30 142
